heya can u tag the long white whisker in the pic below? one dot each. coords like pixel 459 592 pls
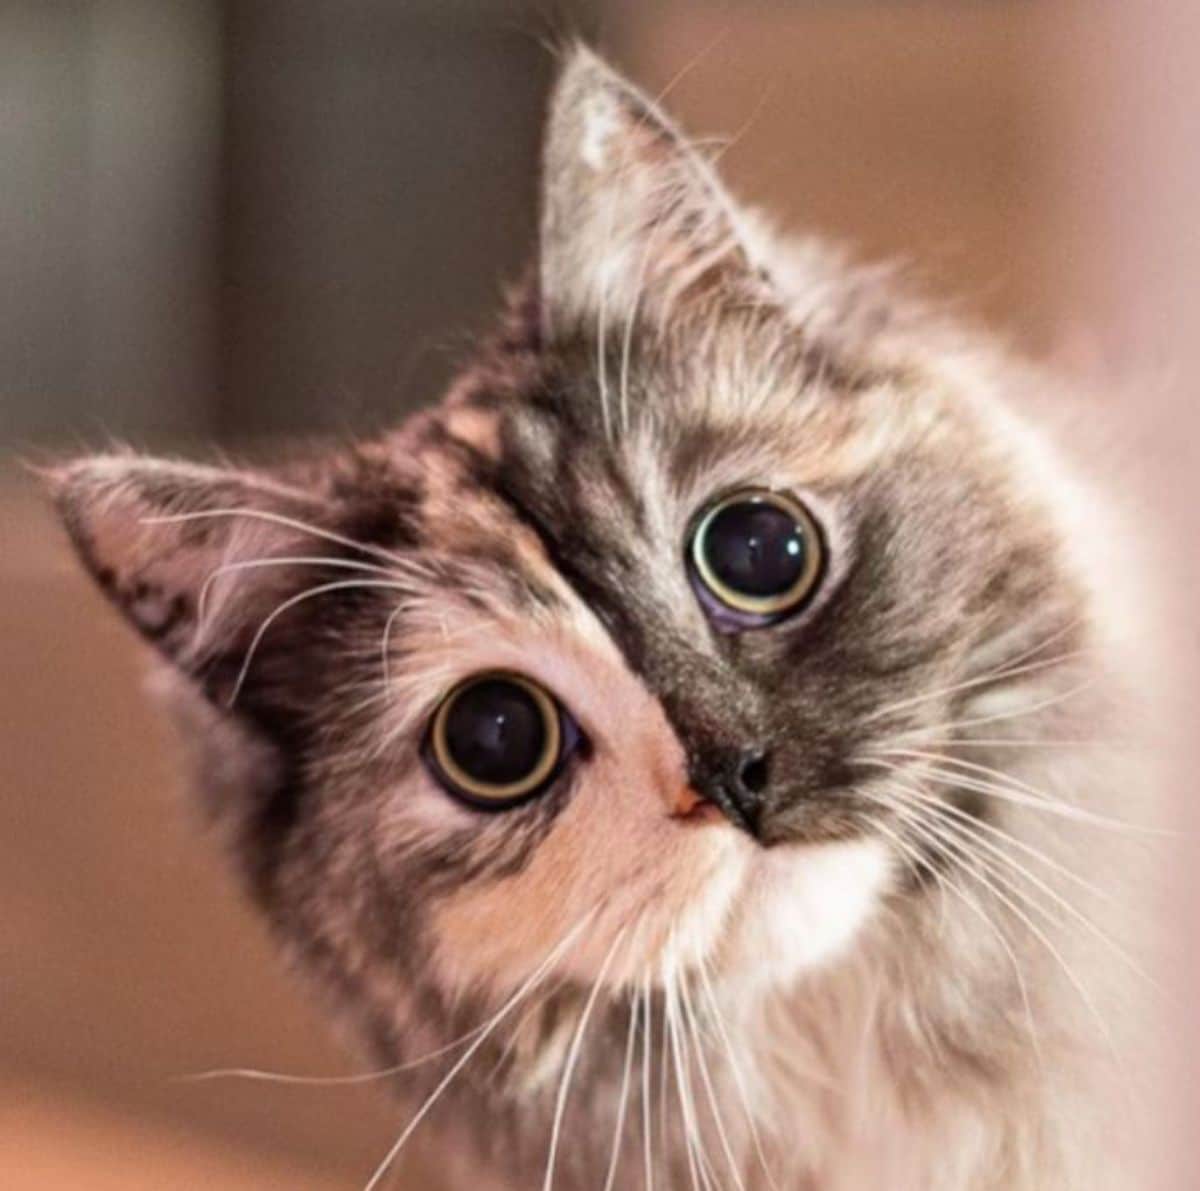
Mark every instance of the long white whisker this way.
pixel 1063 810
pixel 623 1096
pixel 278 519
pixel 573 1058
pixel 664 1069
pixel 669 1035
pixel 311 593
pixel 279 1077
pixel 697 1164
pixel 252 564
pixel 631 319
pixel 385 643
pixel 941 805
pixel 961 829
pixel 735 1068
pixel 973 905
pixel 647 1047
pixel 689 1013
pixel 601 342
pixel 951 847
pixel 944 728
pixel 968 684
pixel 918 863
pixel 998 779
pixel 531 982
pixel 1002 743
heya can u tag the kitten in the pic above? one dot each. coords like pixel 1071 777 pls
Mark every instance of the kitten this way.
pixel 689 731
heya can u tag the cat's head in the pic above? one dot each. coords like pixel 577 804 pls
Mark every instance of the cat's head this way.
pixel 589 669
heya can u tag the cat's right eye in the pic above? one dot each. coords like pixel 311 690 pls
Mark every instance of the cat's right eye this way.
pixel 498 739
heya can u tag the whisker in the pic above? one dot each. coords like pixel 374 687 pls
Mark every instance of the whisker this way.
pixel 951 848
pixel 1002 743
pixel 280 1077
pixel 1072 910
pixel 687 1101
pixel 385 643
pixel 1048 640
pixel 689 1013
pixel 287 560
pixel 573 1058
pixel 942 729
pixel 631 318
pixel 530 983
pixel 669 1032
pixel 970 683
pixel 623 1096
pixel 601 340
pixel 997 776
pixel 735 1069
pixel 311 593
pixel 972 904
pixel 278 519
pixel 938 805
pixel 1038 801
pixel 647 1047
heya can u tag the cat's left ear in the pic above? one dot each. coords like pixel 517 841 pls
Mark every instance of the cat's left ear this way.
pixel 633 216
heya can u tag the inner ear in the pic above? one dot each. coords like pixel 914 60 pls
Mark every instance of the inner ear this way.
pixel 633 217
pixel 197 558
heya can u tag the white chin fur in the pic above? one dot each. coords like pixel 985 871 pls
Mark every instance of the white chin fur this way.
pixel 800 907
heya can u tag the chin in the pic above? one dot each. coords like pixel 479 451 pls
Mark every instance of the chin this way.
pixel 801 908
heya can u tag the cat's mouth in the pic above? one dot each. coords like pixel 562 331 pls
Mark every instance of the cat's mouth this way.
pixel 804 826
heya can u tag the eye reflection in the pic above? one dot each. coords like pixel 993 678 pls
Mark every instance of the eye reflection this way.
pixel 758 554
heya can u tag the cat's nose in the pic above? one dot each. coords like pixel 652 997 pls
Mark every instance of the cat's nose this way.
pixel 736 781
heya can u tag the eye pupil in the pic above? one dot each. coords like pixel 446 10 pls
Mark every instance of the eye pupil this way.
pixel 495 732
pixel 758 554
pixel 497 739
pixel 756 548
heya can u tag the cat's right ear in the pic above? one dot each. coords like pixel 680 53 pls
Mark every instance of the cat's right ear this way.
pixel 193 557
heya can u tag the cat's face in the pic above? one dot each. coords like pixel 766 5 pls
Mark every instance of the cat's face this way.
pixel 584 671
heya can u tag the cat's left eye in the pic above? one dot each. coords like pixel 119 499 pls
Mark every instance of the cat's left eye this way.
pixel 497 739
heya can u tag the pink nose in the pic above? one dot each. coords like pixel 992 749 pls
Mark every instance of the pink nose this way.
pixel 695 808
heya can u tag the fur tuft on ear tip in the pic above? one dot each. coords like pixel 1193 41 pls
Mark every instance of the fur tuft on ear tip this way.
pixel 81 489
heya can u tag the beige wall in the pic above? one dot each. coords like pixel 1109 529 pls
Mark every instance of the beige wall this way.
pixel 911 131
pixel 1129 218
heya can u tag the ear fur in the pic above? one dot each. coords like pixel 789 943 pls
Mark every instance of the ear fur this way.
pixel 194 557
pixel 632 216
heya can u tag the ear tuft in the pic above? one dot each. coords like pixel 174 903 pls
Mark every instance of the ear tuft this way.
pixel 632 215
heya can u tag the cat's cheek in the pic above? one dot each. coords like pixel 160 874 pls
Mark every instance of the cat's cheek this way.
pixel 803 907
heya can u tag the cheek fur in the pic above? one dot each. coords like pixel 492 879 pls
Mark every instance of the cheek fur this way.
pixel 617 859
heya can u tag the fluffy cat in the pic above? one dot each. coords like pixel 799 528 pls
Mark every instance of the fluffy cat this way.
pixel 690 733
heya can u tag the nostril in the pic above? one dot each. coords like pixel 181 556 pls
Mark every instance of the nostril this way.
pixel 752 773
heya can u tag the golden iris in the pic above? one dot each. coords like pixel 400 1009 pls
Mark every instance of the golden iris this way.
pixel 758 553
pixel 495 739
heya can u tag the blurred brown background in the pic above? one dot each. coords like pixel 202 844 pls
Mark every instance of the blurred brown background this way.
pixel 229 222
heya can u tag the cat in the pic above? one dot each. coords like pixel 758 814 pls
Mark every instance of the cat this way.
pixel 682 753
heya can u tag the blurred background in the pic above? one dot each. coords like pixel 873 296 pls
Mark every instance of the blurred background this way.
pixel 234 221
